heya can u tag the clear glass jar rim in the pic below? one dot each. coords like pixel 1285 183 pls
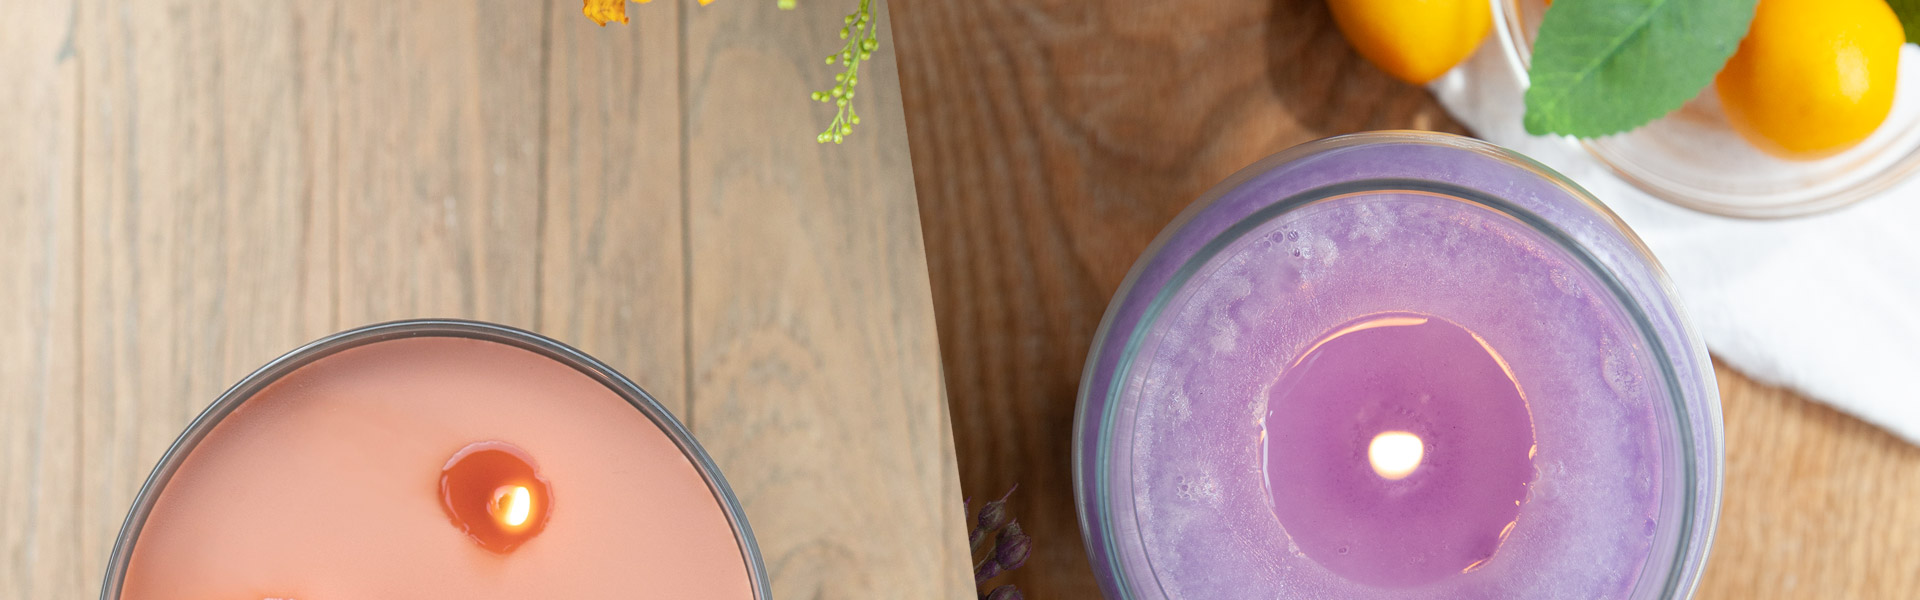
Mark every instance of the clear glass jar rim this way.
pixel 267 374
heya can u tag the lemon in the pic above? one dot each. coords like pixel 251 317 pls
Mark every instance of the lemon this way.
pixel 1413 40
pixel 1813 77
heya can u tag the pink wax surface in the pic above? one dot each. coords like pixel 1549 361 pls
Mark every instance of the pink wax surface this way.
pixel 325 485
pixel 1266 375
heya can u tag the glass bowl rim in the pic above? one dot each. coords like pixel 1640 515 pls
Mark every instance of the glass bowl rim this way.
pixel 1517 50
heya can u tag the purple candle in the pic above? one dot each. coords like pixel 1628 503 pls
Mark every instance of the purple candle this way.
pixel 1397 365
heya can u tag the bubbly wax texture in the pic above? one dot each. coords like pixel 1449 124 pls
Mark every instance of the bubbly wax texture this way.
pixel 1267 378
pixel 326 485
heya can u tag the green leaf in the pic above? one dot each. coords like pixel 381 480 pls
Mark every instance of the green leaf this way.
pixel 1601 67
pixel 1909 13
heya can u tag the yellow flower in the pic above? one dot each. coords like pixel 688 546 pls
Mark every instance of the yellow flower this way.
pixel 602 11
pixel 605 11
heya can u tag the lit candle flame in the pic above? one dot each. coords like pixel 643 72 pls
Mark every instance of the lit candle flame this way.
pixel 513 504
pixel 1395 454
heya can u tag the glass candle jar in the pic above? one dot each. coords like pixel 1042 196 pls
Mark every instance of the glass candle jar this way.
pixel 1397 365
pixel 435 458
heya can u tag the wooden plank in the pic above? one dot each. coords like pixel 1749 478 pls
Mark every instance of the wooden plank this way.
pixel 437 108
pixel 816 381
pixel 1051 143
pixel 612 267
pixel 1818 504
pixel 39 292
pixel 205 249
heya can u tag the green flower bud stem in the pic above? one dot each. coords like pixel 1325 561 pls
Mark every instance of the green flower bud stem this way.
pixel 862 35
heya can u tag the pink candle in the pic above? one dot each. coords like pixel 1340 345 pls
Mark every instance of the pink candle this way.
pixel 435 460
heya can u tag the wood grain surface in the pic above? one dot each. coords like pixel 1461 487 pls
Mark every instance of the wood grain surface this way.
pixel 40 503
pixel 190 188
pixel 613 265
pixel 1052 140
pixel 203 254
pixel 795 343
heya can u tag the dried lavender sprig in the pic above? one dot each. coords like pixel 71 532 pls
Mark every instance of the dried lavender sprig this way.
pixel 987 569
pixel 1012 549
pixel 993 516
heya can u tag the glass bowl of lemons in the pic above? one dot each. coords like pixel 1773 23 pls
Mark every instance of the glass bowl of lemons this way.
pixel 1815 110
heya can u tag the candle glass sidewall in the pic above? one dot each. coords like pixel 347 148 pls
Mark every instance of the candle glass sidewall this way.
pixel 260 379
pixel 1687 412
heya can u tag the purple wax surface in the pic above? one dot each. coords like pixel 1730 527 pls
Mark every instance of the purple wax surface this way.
pixel 1253 413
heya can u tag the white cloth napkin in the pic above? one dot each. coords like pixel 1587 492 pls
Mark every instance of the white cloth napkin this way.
pixel 1828 305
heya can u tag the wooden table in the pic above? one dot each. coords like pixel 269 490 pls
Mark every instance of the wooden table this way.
pixel 1053 139
pixel 188 189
